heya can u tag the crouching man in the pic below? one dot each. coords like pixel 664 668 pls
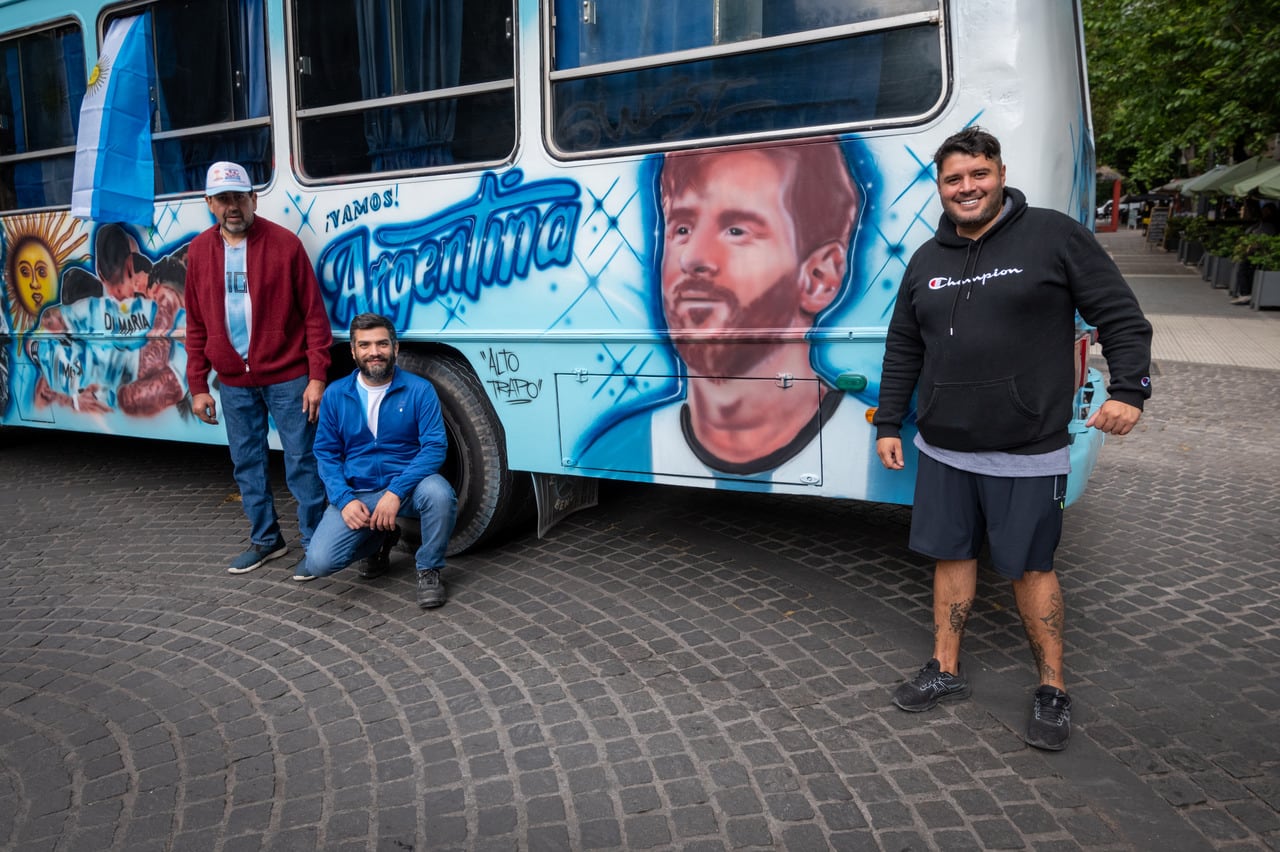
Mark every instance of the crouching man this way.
pixel 379 446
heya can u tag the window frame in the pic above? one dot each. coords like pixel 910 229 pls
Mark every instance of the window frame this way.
pixel 937 17
pixel 109 13
pixel 43 153
pixel 297 114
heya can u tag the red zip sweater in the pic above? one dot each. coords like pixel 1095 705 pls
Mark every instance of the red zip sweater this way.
pixel 290 336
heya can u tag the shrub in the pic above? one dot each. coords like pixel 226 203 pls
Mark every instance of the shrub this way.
pixel 1197 229
pixel 1221 241
pixel 1173 231
pixel 1261 250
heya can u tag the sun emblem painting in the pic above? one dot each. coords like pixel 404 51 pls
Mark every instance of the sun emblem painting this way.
pixel 36 248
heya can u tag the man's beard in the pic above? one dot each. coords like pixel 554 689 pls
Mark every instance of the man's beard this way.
pixel 986 213
pixel 775 308
pixel 377 373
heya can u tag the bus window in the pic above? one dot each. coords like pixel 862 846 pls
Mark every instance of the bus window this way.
pixel 210 100
pixel 648 74
pixel 434 85
pixel 42 82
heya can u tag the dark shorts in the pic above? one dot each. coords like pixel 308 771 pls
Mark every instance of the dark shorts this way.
pixel 1021 517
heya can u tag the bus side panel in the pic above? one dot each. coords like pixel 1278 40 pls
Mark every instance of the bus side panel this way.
pixel 94 327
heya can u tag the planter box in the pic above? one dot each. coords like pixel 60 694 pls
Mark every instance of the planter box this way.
pixel 1194 251
pixel 1241 279
pixel 1208 267
pixel 1266 289
pixel 1224 273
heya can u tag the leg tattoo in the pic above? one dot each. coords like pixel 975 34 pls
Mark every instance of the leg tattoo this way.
pixel 1042 629
pixel 957 617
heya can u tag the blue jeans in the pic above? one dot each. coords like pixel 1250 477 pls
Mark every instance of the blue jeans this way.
pixel 433 503
pixel 247 413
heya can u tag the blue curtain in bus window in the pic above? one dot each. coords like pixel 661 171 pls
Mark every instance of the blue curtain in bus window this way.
pixel 182 163
pixel 426 56
pixel 46 83
pixel 250 50
pixel 609 30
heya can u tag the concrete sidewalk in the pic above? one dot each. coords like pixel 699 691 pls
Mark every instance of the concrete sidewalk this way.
pixel 1192 321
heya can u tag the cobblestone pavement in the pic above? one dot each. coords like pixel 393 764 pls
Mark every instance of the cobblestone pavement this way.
pixel 674 669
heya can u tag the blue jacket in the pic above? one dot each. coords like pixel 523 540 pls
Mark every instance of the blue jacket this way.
pixel 410 445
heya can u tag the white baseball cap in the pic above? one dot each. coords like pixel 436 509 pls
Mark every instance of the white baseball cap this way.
pixel 226 177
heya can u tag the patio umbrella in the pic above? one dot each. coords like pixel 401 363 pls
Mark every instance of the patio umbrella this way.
pixel 1270 186
pixel 1228 177
pixel 1257 179
pixel 1193 185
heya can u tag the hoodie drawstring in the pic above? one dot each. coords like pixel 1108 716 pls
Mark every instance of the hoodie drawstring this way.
pixel 971 254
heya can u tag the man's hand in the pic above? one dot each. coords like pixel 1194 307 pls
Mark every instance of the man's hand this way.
pixel 890 452
pixel 311 400
pixel 1115 417
pixel 356 515
pixel 203 406
pixel 384 514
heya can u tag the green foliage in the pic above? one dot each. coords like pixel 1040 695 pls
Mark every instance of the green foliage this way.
pixel 1221 240
pixel 1173 75
pixel 1173 230
pixel 1262 250
pixel 1196 228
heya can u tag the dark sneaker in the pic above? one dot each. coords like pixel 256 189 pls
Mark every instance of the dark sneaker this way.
pixel 1050 725
pixel 430 589
pixel 256 555
pixel 380 562
pixel 300 574
pixel 928 687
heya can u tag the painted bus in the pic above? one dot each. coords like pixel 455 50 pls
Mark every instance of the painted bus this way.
pixel 654 240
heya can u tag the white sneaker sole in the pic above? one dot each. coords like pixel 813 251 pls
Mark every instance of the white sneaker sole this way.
pixel 275 554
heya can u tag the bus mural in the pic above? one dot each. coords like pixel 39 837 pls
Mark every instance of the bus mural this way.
pixel 619 249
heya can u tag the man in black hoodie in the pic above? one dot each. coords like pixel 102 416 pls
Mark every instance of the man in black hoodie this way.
pixel 983 328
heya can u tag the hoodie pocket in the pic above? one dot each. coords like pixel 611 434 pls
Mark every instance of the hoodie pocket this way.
pixel 978 416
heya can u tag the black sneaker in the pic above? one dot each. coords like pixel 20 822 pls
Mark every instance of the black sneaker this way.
pixel 928 687
pixel 380 562
pixel 256 555
pixel 430 589
pixel 1050 725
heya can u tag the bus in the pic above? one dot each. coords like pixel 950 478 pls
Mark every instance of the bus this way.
pixel 655 240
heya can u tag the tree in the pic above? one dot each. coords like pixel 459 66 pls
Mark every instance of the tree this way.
pixel 1174 76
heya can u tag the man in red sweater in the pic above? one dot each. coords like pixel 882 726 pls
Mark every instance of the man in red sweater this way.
pixel 255 316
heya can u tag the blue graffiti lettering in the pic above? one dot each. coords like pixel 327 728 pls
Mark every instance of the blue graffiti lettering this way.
pixel 490 239
pixel 353 211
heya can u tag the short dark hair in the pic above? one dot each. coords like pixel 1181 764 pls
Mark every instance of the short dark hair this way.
pixel 973 140
pixel 364 322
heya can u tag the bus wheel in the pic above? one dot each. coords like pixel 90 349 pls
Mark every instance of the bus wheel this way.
pixel 491 499
pixel 4 379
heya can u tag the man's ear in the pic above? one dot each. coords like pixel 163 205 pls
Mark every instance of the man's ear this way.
pixel 821 277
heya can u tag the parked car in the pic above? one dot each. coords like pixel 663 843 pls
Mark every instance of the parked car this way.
pixel 1127 209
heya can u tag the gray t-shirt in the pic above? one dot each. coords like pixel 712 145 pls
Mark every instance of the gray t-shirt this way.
pixel 995 463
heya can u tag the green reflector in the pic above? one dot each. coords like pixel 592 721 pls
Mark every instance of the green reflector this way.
pixel 854 382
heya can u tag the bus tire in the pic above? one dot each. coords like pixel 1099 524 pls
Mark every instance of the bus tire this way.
pixel 491 498
pixel 5 378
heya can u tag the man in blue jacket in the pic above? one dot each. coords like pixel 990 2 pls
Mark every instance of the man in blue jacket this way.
pixel 379 446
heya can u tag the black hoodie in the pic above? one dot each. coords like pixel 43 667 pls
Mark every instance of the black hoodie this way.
pixel 986 328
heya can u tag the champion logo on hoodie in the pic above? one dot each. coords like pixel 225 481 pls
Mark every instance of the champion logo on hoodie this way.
pixel 981 278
